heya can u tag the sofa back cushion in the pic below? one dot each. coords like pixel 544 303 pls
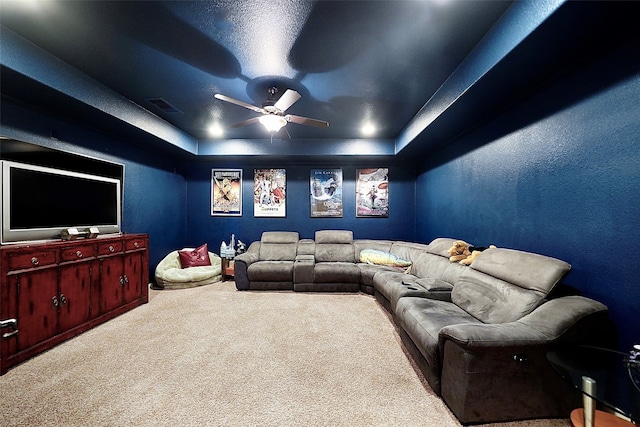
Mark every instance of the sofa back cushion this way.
pixel 434 261
pixel 278 245
pixel 440 246
pixel 334 246
pixel 503 285
pixel 437 267
pixel 380 245
pixel 408 250
pixel 306 247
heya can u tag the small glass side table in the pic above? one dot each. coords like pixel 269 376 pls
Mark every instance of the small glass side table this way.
pixel 603 376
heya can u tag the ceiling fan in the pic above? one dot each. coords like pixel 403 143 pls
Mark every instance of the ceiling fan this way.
pixel 273 116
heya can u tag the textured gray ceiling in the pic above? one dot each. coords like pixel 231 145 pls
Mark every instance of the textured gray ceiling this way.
pixel 421 71
pixel 352 61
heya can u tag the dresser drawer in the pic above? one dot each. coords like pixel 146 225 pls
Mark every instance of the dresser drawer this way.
pixel 77 252
pixel 32 259
pixel 135 244
pixel 109 248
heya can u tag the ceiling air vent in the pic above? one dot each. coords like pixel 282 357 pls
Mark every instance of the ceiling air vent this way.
pixel 162 104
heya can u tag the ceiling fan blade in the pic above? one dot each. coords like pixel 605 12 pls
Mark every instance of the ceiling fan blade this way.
pixel 284 134
pixel 245 122
pixel 306 121
pixel 240 103
pixel 287 100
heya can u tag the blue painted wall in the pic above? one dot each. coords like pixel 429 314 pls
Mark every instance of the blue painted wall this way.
pixel 202 227
pixel 559 175
pixel 169 198
pixel 154 183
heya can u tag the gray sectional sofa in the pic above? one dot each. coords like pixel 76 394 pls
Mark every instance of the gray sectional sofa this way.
pixel 478 333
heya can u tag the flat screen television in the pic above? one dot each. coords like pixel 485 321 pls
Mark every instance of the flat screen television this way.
pixel 39 202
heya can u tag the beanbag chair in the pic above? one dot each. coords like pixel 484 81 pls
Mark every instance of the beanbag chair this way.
pixel 170 274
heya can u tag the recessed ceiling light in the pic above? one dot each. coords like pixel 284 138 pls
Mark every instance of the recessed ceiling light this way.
pixel 368 129
pixel 215 130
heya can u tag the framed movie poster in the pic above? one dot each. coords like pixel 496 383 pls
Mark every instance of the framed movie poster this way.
pixel 372 193
pixel 325 186
pixel 269 193
pixel 226 192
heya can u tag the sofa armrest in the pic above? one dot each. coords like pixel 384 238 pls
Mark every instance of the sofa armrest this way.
pixel 424 288
pixel 242 263
pixel 544 325
pixel 303 268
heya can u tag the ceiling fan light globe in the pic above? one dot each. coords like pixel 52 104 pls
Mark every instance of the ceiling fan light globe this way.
pixel 272 123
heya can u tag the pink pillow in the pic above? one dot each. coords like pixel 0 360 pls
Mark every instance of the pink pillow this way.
pixel 195 258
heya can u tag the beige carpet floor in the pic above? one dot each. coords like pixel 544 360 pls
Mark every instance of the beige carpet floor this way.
pixel 213 356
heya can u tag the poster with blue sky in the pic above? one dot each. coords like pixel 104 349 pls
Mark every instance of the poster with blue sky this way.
pixel 326 193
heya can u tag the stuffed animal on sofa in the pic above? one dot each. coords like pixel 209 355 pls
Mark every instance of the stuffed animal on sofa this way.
pixel 475 252
pixel 459 251
pixel 465 254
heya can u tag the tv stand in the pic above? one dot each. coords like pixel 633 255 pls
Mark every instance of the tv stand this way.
pixel 53 291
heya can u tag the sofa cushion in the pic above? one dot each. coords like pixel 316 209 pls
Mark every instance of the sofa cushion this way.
pixel 436 266
pixel 434 261
pixel 362 244
pixel 280 237
pixel 385 281
pixel 334 246
pixel 278 245
pixel 271 271
pixel 502 285
pixel 422 319
pixel 306 247
pixel 334 253
pixel 336 272
pixel 368 271
pixel 334 236
pixel 407 250
pixel 440 246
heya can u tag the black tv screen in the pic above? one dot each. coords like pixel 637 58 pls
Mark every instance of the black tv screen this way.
pixel 39 202
pixel 42 200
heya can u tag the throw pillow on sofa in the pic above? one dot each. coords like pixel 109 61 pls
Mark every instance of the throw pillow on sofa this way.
pixel 377 257
pixel 197 257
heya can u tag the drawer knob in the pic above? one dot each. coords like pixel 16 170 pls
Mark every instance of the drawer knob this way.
pixel 79 254
pixel 111 248
pixel 136 245
pixel 35 261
